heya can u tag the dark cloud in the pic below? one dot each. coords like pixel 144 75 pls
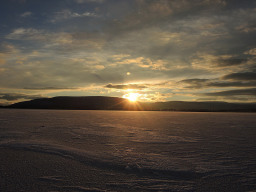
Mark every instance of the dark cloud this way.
pixel 49 88
pixel 235 92
pixel 129 86
pixel 174 17
pixel 230 62
pixel 199 25
pixel 17 96
pixel 237 4
pixel 243 76
pixel 195 83
pixel 232 84
pixel 152 12
pixel 208 83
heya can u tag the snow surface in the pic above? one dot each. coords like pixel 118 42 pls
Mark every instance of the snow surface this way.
pixel 127 151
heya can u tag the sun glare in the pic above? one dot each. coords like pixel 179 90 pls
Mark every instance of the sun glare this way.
pixel 131 96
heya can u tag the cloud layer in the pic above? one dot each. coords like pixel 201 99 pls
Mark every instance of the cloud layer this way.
pixel 163 50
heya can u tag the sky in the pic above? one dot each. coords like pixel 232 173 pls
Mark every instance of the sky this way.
pixel 158 50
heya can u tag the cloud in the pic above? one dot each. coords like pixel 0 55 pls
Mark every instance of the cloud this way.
pixel 209 83
pixel 153 64
pixel 147 13
pixel 200 46
pixel 231 84
pixel 230 62
pixel 129 86
pixel 146 87
pixel 25 33
pixel 187 28
pixel 157 97
pixel 178 36
pixel 26 14
pixel 89 1
pixel 194 83
pixel 243 76
pixel 7 48
pixel 251 52
pixel 67 14
pixel 247 28
pixel 17 96
pixel 235 92
pixel 217 62
pixel 50 88
pixel 57 41
pixel 2 59
pixel 38 72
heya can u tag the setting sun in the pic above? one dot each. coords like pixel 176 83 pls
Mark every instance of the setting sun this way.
pixel 131 96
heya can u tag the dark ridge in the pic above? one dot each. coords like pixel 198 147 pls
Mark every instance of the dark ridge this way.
pixel 77 103
pixel 115 103
pixel 206 106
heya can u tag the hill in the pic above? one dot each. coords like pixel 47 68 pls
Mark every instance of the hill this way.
pixel 78 103
pixel 115 103
pixel 205 106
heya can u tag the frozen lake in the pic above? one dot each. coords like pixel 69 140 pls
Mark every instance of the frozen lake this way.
pixel 57 150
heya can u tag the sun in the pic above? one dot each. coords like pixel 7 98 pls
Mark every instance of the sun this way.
pixel 131 96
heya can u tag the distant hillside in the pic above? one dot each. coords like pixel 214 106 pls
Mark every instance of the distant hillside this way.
pixel 79 103
pixel 115 103
pixel 205 106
